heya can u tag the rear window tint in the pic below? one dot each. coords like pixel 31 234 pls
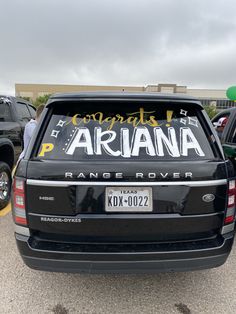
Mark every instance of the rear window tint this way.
pixel 124 131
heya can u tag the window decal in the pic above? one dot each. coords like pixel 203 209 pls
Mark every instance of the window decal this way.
pixel 123 135
pixel 45 148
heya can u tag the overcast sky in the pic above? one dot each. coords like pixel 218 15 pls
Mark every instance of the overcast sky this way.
pixel 122 42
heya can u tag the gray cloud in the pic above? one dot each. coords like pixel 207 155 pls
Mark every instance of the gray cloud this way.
pixel 190 42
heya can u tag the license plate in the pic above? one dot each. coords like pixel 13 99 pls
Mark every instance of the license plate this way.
pixel 128 199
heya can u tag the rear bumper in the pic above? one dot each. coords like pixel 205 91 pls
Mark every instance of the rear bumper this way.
pixel 123 262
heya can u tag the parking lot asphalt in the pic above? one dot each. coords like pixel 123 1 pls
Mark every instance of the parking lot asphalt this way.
pixel 23 290
pixel 5 211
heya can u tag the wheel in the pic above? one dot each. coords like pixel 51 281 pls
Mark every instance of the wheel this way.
pixel 5 184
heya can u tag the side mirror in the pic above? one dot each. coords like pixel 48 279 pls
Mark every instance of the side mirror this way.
pixel 230 150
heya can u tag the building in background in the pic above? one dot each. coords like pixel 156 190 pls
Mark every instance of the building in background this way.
pixel 215 97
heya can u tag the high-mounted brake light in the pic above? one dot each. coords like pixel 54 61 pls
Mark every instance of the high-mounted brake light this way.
pixel 230 211
pixel 19 202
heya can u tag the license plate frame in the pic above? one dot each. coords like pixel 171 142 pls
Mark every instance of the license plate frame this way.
pixel 129 191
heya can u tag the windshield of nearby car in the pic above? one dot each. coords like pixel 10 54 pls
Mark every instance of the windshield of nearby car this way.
pixel 124 131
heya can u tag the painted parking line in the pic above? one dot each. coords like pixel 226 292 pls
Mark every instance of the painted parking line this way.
pixel 6 210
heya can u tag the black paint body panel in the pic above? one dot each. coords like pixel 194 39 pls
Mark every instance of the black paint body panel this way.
pixel 75 233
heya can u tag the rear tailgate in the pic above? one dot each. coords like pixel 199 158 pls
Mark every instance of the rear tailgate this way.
pixel 181 209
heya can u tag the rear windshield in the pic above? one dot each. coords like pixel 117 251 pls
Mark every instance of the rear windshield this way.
pixel 83 131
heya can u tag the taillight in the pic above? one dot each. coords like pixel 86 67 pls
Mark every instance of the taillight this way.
pixel 19 202
pixel 230 211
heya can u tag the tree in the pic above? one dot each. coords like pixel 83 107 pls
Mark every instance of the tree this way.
pixel 41 100
pixel 211 110
pixel 26 98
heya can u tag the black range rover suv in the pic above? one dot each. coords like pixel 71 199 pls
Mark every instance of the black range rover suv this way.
pixel 124 183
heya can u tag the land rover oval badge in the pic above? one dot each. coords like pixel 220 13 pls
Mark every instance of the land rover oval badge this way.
pixel 208 198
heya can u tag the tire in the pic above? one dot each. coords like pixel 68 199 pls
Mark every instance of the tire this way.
pixel 5 184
